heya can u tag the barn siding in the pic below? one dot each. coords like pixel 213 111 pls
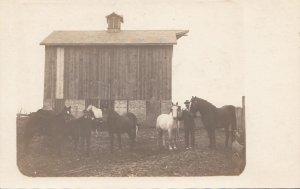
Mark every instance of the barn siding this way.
pixel 59 105
pixel 138 75
pixel 60 74
pixel 50 73
pixel 138 108
pixel 107 72
pixel 120 106
pixel 166 106
pixel 48 104
pixel 153 110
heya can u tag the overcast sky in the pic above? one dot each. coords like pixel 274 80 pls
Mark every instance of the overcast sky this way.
pixel 207 63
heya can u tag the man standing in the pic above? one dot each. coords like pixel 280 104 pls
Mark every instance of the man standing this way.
pixel 189 126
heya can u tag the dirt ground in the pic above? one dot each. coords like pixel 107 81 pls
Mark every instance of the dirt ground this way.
pixel 146 160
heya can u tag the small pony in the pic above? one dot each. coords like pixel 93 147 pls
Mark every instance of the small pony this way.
pixel 169 123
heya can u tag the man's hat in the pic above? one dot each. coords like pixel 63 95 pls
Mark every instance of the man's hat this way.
pixel 187 102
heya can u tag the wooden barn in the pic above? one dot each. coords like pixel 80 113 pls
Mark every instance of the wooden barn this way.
pixel 128 70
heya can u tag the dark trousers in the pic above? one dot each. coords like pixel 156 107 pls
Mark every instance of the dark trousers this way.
pixel 189 133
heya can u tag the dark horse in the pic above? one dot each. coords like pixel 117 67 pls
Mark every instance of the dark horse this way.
pixel 119 124
pixel 213 117
pixel 80 130
pixel 46 123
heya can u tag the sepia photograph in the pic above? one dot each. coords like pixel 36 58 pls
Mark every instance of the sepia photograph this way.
pixel 142 89
pixel 109 108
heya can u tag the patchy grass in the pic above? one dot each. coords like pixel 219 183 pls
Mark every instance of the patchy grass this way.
pixel 145 160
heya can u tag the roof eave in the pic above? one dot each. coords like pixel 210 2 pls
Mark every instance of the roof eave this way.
pixel 72 44
pixel 179 34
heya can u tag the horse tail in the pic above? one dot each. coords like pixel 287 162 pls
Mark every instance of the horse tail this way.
pixel 133 119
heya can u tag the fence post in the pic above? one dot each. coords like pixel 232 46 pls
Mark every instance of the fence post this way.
pixel 243 112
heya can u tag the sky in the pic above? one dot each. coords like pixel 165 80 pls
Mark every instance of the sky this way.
pixel 207 63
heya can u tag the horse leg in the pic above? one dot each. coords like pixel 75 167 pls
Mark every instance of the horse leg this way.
pixel 174 140
pixel 132 140
pixel 227 136
pixel 164 139
pixel 213 139
pixel 209 132
pixel 159 137
pixel 119 140
pixel 88 138
pixel 192 132
pixel 186 137
pixel 111 136
pixel 75 139
pixel 170 139
pixel 58 145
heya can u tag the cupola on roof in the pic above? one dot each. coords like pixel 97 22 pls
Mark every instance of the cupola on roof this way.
pixel 114 22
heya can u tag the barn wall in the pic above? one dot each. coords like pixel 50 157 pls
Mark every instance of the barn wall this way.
pixel 111 72
pixel 138 75
pixel 50 72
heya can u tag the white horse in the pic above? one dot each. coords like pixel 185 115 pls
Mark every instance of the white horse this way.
pixel 97 111
pixel 169 123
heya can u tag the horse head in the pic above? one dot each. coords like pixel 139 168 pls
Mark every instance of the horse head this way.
pixel 66 113
pixel 175 110
pixel 197 106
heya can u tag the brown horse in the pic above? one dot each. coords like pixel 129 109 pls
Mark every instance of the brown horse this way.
pixel 119 124
pixel 46 123
pixel 213 118
pixel 80 130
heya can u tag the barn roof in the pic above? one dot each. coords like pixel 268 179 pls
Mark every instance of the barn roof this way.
pixel 124 37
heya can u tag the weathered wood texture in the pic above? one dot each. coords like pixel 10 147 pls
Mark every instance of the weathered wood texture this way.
pixel 50 72
pixel 111 72
pixel 59 73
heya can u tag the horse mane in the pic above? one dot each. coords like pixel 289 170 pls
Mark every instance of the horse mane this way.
pixel 204 106
pixel 205 102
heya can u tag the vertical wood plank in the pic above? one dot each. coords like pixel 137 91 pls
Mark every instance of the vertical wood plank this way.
pixel 77 63
pixel 94 70
pixel 72 73
pixel 53 63
pixel 47 76
pixel 59 73
pixel 100 72
pixel 170 73
pixel 138 96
